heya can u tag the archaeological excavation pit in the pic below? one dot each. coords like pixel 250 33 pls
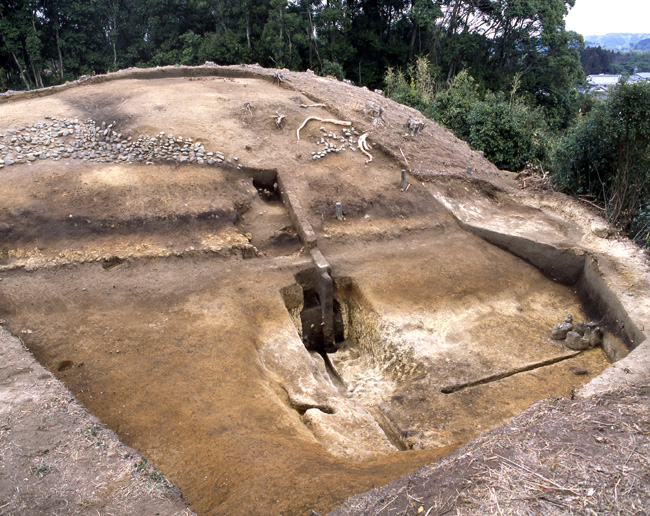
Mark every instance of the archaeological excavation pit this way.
pixel 448 364
pixel 183 302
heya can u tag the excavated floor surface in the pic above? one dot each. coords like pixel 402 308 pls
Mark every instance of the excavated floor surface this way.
pixel 153 291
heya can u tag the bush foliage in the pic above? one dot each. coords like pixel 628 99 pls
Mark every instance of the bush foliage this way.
pixel 509 132
pixel 607 156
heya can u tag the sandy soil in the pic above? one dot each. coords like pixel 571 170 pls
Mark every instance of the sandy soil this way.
pixel 153 292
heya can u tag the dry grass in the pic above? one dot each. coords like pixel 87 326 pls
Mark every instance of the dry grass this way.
pixel 560 457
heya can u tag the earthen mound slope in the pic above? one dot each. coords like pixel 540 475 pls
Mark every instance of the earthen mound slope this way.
pixel 282 290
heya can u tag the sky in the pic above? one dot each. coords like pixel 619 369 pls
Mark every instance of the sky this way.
pixel 597 17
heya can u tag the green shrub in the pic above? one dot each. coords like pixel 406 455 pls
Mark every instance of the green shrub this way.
pixel 607 155
pixel 396 87
pixel 510 134
pixel 417 91
pixel 332 68
pixel 640 227
pixel 452 106
pixel 507 130
pixel 223 48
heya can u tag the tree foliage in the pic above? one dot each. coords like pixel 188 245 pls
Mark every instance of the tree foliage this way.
pixel 48 41
pixel 453 106
pixel 596 60
pixel 415 88
pixel 607 155
pixel 629 62
pixel 511 134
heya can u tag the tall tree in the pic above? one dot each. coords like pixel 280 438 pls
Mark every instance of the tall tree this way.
pixel 422 15
pixel 284 35
pixel 19 38
pixel 500 39
pixel 594 60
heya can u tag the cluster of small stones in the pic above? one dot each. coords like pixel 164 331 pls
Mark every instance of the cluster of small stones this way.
pixel 333 143
pixel 85 140
pixel 582 336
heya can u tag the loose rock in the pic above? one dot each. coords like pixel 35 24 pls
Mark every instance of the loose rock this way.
pixel 560 331
pixel 575 342
pixel 64 139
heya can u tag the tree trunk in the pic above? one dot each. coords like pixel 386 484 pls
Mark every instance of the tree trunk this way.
pixel 38 81
pixel 281 34
pixel 114 7
pixel 20 71
pixel 36 73
pixel 58 48
pixel 435 48
pixel 290 49
pixel 414 33
pixel 248 29
pixel 311 60
pixel 219 14
pixel 311 37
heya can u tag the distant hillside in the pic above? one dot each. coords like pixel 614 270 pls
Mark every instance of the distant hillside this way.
pixel 616 41
pixel 642 45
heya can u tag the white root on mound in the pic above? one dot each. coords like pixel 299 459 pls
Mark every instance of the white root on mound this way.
pixel 324 121
pixel 364 147
pixel 279 119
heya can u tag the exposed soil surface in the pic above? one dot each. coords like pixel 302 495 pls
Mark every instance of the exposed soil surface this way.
pixel 166 295
pixel 560 457
pixel 55 458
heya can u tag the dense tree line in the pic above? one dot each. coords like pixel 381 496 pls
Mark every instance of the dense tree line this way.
pixel 606 155
pixel 48 41
pixel 596 60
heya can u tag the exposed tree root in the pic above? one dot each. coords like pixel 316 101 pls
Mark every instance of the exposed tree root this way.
pixel 279 119
pixel 364 147
pixel 324 121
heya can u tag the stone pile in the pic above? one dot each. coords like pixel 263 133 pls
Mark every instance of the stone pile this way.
pixel 331 142
pixel 579 337
pixel 61 138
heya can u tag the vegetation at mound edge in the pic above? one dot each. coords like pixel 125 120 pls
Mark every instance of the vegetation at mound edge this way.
pixel 604 156
pixel 502 75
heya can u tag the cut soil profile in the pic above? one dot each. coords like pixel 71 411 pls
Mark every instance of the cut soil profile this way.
pixel 169 253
